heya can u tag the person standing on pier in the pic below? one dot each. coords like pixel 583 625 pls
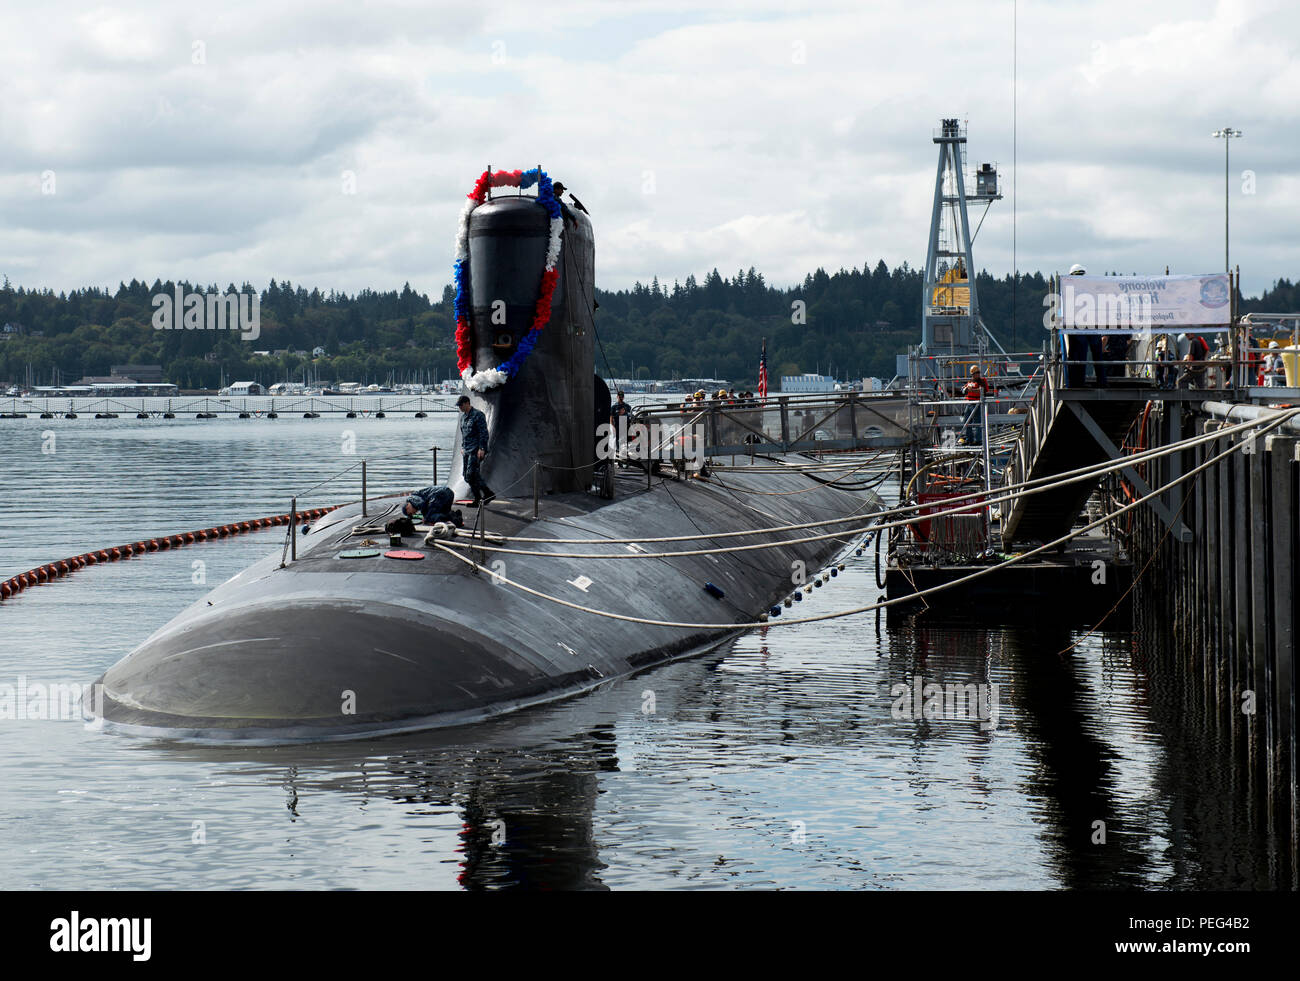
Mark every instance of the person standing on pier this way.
pixel 1194 361
pixel 473 446
pixel 1274 367
pixel 975 390
pixel 1077 349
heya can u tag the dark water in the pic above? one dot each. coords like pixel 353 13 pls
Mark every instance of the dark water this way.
pixel 776 761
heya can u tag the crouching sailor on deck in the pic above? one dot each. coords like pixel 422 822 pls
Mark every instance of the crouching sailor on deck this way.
pixel 433 504
pixel 473 446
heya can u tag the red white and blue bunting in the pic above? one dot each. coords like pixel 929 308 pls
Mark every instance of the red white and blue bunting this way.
pixel 481 381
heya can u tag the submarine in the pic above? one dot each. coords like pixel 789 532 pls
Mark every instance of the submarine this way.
pixel 347 642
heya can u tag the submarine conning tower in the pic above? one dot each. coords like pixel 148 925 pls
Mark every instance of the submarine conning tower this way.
pixel 546 412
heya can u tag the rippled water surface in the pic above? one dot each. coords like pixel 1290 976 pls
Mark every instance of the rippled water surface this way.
pixel 775 761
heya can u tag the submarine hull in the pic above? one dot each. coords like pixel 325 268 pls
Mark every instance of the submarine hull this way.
pixel 331 647
pixel 338 648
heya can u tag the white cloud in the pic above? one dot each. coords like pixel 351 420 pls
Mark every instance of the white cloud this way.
pixel 775 136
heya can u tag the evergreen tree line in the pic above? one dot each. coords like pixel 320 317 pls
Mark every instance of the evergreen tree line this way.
pixel 851 323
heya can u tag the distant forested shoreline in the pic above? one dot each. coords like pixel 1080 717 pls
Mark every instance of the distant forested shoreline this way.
pixel 850 323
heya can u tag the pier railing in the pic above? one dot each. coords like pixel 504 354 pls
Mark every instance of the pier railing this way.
pixel 787 423
pixel 1239 360
pixel 253 406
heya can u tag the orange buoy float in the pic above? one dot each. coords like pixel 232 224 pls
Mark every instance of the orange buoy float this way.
pixel 63 567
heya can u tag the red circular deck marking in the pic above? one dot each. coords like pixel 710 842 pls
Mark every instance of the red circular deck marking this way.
pixel 403 553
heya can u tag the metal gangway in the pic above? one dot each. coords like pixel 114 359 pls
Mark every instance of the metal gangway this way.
pixel 1074 422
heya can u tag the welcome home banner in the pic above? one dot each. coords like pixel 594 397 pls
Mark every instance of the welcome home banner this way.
pixel 1124 304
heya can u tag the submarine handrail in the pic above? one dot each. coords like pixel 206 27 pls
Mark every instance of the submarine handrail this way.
pixel 328 479
pixel 1050 481
pixel 765 621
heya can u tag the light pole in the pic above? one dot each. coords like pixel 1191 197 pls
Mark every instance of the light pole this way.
pixel 1226 134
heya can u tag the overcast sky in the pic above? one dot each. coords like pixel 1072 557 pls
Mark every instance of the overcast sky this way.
pixel 214 143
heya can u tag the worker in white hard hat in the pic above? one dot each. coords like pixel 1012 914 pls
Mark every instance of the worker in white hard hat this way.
pixel 1077 348
pixel 1274 368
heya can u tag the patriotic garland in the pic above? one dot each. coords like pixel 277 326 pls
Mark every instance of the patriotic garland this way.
pixel 481 381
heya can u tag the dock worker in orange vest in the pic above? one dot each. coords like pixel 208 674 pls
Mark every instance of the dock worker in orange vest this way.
pixel 975 390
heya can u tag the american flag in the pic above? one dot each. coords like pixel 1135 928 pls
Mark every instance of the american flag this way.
pixel 762 371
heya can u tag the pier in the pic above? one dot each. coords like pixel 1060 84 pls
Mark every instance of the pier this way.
pixel 1155 503
pixel 212 407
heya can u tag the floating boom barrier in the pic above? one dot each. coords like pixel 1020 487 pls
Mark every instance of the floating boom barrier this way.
pixel 62 567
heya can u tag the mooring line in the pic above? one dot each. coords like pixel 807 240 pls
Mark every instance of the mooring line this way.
pixel 765 620
pixel 959 505
pixel 976 497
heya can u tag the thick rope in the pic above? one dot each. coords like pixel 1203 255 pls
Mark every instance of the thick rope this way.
pixel 1051 481
pixel 871 520
pixel 910 598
